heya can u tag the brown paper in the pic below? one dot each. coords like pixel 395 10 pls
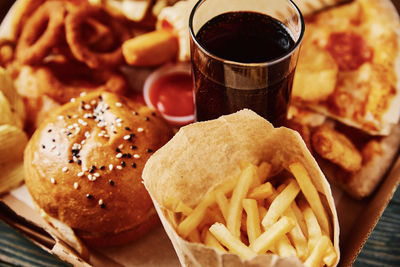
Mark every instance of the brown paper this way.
pixel 204 155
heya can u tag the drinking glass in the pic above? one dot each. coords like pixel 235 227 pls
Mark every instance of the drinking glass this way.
pixel 223 86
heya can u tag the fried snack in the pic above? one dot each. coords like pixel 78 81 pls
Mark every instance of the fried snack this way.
pixel 94 57
pixel 202 168
pixel 7 48
pixel 151 49
pixel 336 147
pixel 43 30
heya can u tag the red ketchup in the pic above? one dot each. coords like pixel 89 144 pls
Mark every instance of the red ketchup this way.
pixel 171 93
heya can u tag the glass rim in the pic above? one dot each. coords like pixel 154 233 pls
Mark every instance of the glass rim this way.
pixel 242 64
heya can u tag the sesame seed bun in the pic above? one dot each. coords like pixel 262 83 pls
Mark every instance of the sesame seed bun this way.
pixel 83 166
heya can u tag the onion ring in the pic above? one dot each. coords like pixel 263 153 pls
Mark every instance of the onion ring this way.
pixel 93 56
pixel 62 82
pixel 7 48
pixel 41 32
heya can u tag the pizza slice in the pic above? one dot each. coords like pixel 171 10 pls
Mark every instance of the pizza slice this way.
pixel 349 65
pixel 349 157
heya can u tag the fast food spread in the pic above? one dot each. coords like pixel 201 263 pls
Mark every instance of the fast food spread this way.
pixel 213 198
pixel 346 92
pixel 234 190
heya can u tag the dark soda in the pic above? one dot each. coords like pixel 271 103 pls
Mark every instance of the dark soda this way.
pixel 223 86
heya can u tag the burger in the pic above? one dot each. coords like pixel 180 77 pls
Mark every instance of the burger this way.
pixel 83 169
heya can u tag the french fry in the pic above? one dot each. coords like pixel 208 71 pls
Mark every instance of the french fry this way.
pixel 194 236
pixel 300 218
pixel 284 247
pixel 263 171
pixel 296 236
pixel 331 255
pixel 261 192
pixel 151 49
pixel 313 228
pixel 183 208
pixel 281 203
pixel 315 258
pixel 222 234
pixel 210 241
pixel 12 143
pixel 267 239
pixel 223 203
pixel 239 193
pixel 311 194
pixel 253 219
pixel 194 219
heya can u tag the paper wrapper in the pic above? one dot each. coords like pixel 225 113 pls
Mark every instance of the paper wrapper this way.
pixel 204 155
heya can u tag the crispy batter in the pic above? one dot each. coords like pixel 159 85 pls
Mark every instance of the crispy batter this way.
pixel 42 32
pixel 92 56
pixel 6 52
pixel 337 148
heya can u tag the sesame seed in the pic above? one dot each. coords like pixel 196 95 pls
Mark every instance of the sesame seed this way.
pixel 101 201
pixel 127 137
pixel 89 196
pixel 65 169
pixel 76 185
pixel 129 155
pixel 118 104
pixel 49 130
pixel 96 174
pixel 70 127
pixel 80 174
pixel 79 162
pixel 117 150
pixel 68 116
pixel 83 142
pixel 52 180
pixel 135 113
pixel 111 182
pixel 60 117
pixel 72 100
pixel 93 102
pixel 110 167
pixel 102 168
pixel 119 124
pixel 118 120
pixel 87 106
pixel 147 119
pixel 91 171
pixel 82 94
pixel 87 134
pixel 136 156
pixel 119 155
pixel 74 116
pixel 103 206
pixel 119 167
pixel 43 146
pixel 127 128
pixel 121 146
pixel 134 165
pixel 71 161
pixel 140 129
pixel 149 150
pixel 82 122
pixel 133 147
pixel 123 164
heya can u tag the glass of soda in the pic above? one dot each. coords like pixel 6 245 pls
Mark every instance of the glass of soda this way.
pixel 244 54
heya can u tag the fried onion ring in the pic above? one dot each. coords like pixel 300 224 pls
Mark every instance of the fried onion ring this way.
pixel 62 82
pixel 85 49
pixel 41 33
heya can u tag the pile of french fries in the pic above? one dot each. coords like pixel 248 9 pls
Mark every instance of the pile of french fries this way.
pixel 12 136
pixel 262 213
